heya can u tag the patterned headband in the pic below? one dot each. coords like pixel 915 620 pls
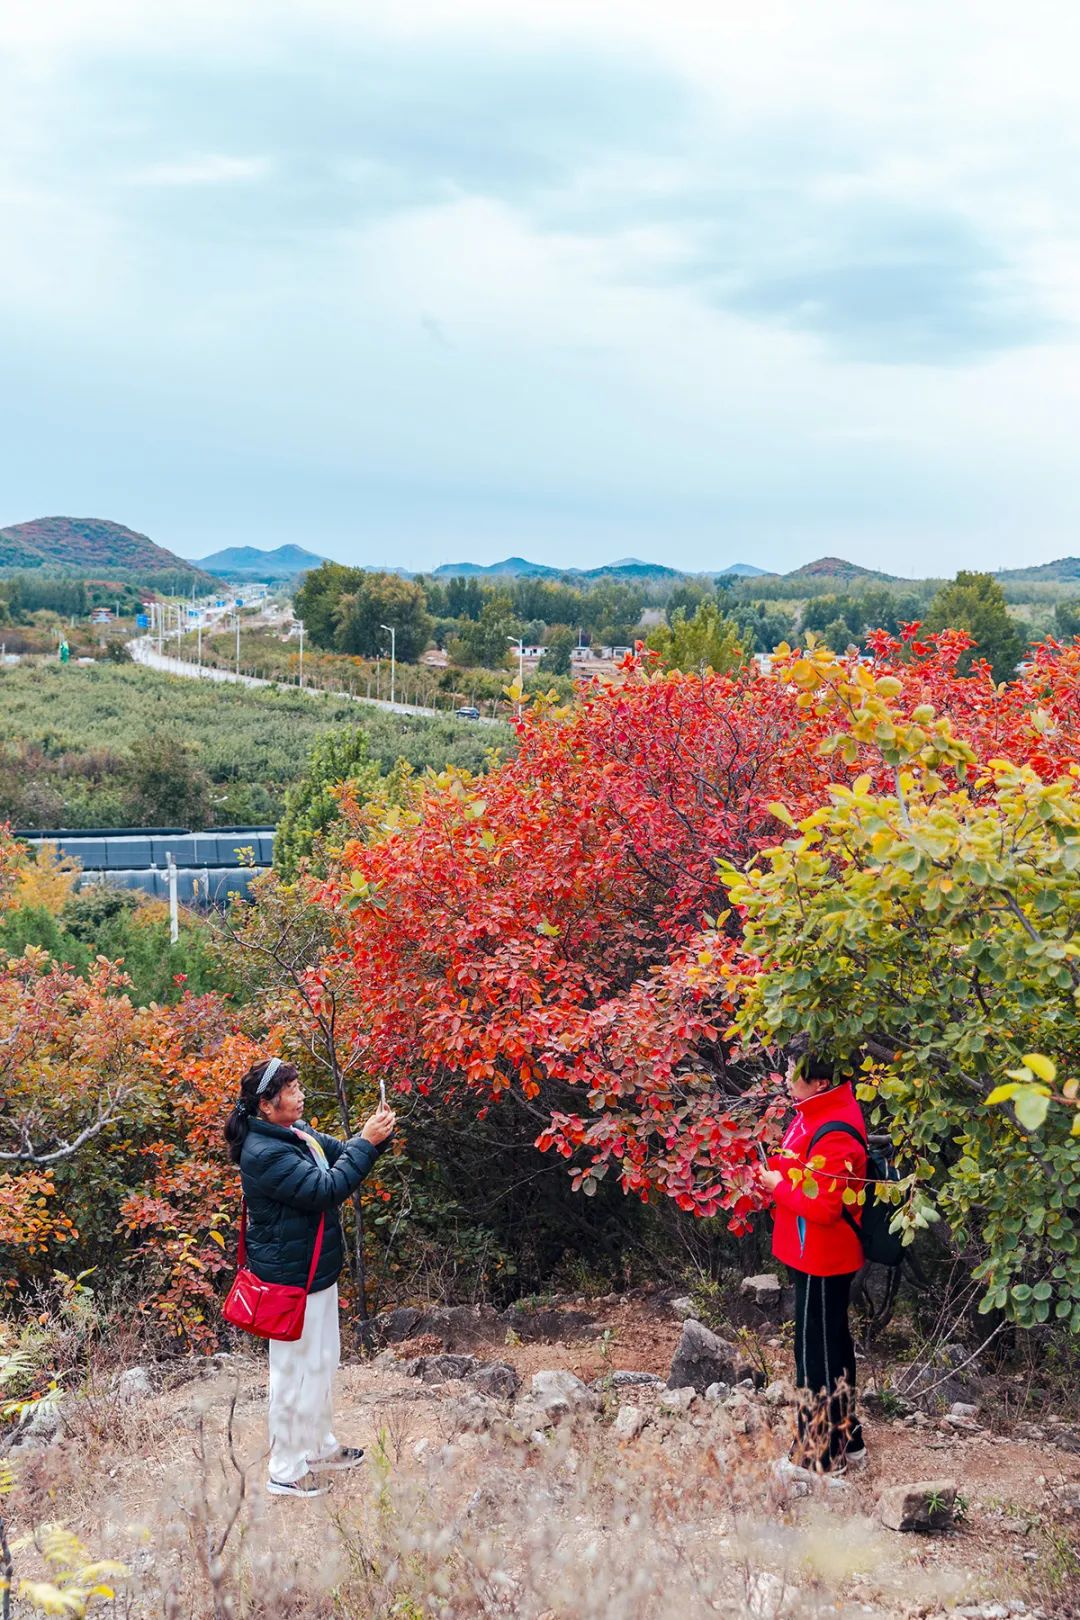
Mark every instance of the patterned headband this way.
pixel 267 1075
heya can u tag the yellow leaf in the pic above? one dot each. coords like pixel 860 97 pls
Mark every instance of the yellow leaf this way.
pixel 782 813
pixel 861 784
pixel 1041 1066
pixel 217 1238
pixel 1001 1094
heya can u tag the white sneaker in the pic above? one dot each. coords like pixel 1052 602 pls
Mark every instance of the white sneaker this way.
pixel 857 1459
pixel 306 1485
pixel 343 1457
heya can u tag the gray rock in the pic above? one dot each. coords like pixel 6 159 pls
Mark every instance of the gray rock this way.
pixel 460 1327
pixel 763 1290
pixel 496 1379
pixel 463 1327
pixel 42 1425
pixel 703 1358
pixel 682 1307
pixel 927 1505
pixel 474 1413
pixel 546 1325
pixel 629 1422
pixel 718 1392
pixel 624 1378
pixel 134 1384
pixel 438 1369
pixel 391 1327
pixel 678 1400
pixel 963 1409
pixel 1068 1496
pixel 532 1419
pixel 779 1394
pixel 555 1388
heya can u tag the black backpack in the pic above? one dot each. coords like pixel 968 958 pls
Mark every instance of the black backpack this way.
pixel 878 1243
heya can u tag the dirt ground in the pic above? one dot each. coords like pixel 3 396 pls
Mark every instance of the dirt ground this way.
pixel 149 1480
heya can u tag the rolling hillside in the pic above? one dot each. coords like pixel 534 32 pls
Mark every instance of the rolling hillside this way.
pixel 1062 572
pixel 84 545
pixel 844 573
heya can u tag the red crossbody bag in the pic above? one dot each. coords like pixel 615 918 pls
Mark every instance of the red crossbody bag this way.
pixel 268 1310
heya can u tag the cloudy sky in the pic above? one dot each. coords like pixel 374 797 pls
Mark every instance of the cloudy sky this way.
pixel 694 280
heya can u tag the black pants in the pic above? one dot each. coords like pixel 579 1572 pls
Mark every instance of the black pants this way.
pixel 825 1370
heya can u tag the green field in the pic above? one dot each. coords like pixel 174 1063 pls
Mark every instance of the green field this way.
pixel 113 745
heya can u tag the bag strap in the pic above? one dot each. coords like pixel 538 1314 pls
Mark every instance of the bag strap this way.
pixel 241 1245
pixel 316 1253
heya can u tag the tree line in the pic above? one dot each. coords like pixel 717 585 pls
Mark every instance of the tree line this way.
pixel 702 622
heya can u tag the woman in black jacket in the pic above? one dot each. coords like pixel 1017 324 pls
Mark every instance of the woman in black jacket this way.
pixel 292 1177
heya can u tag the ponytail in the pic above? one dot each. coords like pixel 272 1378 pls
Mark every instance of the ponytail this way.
pixel 261 1083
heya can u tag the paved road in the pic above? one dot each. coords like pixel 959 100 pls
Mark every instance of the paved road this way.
pixel 144 652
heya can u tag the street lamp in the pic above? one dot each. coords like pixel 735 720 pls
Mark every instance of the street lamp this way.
pixel 393 655
pixel 300 622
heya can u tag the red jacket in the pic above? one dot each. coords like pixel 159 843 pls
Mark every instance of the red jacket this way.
pixel 811 1234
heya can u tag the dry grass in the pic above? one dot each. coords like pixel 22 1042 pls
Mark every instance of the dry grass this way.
pixel 456 1525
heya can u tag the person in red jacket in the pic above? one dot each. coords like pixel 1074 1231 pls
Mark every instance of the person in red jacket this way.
pixel 815 1234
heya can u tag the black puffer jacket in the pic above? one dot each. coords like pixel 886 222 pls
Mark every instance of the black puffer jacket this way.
pixel 287 1189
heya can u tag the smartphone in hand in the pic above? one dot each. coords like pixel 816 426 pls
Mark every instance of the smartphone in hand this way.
pixel 762 1155
pixel 382 1093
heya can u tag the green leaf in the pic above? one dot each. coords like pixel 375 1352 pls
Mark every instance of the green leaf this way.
pixel 1031 1106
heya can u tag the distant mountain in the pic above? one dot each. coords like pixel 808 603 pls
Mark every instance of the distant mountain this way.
pixel 237 562
pixel 836 568
pixel 84 545
pixel 629 568
pixel 521 568
pixel 511 567
pixel 744 571
pixel 1064 571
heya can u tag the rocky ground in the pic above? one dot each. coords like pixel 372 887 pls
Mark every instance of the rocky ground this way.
pixel 586 1458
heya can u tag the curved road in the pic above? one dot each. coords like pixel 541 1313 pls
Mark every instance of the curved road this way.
pixel 144 652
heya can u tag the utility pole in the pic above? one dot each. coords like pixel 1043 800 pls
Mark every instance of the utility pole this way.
pixel 238 641
pixel 393 656
pixel 198 628
pixel 519 643
pixel 300 622
pixel 174 916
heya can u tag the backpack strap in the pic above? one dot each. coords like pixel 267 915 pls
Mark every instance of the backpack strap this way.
pixel 839 1125
pixel 848 1130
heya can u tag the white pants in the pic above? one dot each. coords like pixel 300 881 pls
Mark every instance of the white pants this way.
pixel 301 1375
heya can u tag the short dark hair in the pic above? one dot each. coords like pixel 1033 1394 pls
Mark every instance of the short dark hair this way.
pixel 811 1062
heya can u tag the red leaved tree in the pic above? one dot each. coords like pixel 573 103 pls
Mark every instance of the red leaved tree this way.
pixel 559 929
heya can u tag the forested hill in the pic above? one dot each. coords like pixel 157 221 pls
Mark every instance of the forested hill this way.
pixel 82 545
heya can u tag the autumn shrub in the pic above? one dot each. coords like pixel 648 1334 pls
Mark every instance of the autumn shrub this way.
pixel 585 929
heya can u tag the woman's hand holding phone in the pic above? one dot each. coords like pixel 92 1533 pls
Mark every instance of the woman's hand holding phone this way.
pixel 380 1125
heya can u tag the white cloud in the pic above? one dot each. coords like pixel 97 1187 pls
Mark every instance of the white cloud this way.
pixel 362 244
pixel 211 169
